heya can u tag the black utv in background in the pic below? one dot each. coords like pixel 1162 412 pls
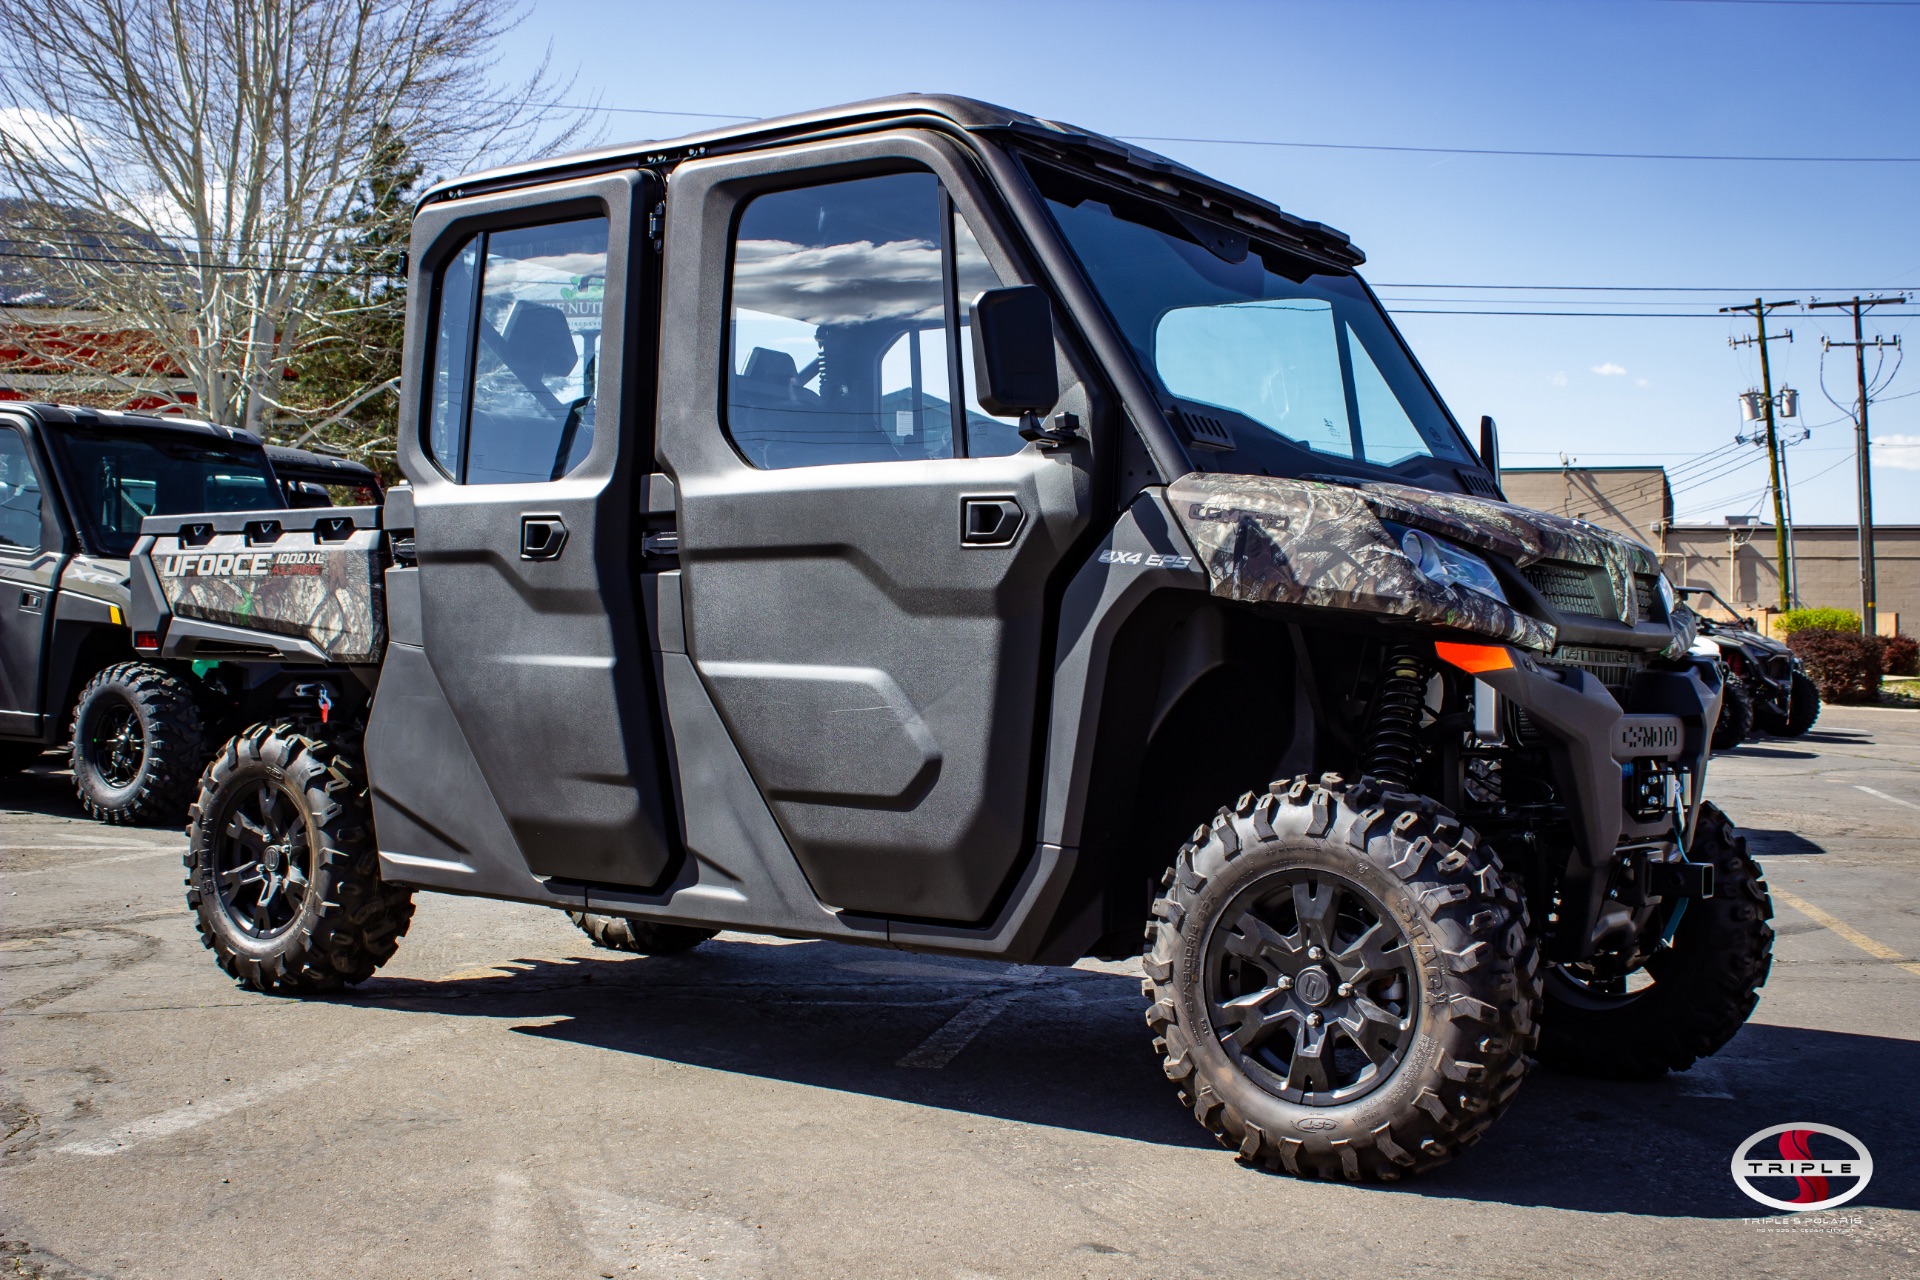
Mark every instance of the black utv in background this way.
pixel 922 525
pixel 74 485
pixel 1771 691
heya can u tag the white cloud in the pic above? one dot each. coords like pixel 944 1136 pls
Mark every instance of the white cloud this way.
pixel 1610 370
pixel 1557 380
pixel 1641 382
pixel 1899 452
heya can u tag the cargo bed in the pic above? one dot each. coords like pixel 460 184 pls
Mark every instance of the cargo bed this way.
pixel 296 586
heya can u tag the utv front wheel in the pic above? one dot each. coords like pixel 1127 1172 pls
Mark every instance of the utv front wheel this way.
pixel 137 744
pixel 642 937
pixel 1693 993
pixel 1342 979
pixel 282 871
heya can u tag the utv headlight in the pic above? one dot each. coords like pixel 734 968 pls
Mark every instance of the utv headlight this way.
pixel 1668 600
pixel 1441 561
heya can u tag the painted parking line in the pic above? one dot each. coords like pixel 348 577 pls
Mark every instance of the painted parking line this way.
pixel 957 1032
pixel 167 1123
pixel 89 862
pixel 1872 946
pixel 1884 796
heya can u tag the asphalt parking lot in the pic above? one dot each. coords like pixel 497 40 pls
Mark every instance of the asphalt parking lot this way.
pixel 503 1100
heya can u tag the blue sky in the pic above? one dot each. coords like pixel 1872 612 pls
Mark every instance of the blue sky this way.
pixel 1686 76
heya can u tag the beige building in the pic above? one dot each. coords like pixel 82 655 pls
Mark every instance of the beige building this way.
pixel 1736 560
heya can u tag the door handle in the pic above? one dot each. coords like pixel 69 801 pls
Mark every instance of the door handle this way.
pixel 542 537
pixel 989 522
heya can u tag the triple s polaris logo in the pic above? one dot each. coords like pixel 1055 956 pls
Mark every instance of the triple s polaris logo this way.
pixel 1822 1166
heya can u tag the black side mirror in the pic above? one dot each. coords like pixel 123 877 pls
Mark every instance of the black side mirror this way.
pixel 1490 447
pixel 1013 370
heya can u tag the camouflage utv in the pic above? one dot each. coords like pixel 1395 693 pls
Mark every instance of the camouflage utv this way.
pixel 999 541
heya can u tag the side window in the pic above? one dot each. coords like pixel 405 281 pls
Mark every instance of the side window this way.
pixel 847 334
pixel 516 353
pixel 19 494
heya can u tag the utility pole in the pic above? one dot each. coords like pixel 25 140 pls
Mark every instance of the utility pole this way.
pixel 1860 344
pixel 1758 310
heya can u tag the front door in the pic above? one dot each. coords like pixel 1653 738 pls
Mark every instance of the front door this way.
pixel 520 459
pixel 29 570
pixel 865 553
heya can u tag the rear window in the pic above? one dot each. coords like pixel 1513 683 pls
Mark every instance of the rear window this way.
pixel 119 480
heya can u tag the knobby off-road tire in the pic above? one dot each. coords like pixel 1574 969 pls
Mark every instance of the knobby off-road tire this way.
pixel 1735 724
pixel 138 744
pixel 642 937
pixel 1704 985
pixel 282 871
pixel 1402 907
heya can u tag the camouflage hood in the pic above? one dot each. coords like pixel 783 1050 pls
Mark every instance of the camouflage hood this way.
pixel 1274 541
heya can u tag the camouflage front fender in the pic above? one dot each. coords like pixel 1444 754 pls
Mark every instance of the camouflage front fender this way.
pixel 1270 541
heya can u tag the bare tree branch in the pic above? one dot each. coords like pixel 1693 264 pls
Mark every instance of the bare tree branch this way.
pixel 185 168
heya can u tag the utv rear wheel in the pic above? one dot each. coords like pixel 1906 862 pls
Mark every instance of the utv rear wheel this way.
pixel 1803 705
pixel 1692 995
pixel 282 871
pixel 1342 979
pixel 1735 724
pixel 137 744
pixel 642 937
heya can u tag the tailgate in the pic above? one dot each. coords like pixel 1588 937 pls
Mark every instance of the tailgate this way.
pixel 300 585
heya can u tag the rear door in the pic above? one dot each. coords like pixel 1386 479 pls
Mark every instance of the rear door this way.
pixel 30 559
pixel 865 566
pixel 520 448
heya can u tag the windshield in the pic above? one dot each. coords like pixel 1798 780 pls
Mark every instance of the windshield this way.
pixel 119 479
pixel 1265 354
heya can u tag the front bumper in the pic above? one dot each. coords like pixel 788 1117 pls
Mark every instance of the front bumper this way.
pixel 1593 741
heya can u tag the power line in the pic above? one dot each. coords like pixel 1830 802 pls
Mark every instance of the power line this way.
pixel 1329 146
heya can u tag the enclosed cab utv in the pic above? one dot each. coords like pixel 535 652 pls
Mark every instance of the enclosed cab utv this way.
pixel 923 525
pixel 1770 689
pixel 74 485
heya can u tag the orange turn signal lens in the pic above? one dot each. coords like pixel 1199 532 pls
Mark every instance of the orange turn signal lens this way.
pixel 1475 658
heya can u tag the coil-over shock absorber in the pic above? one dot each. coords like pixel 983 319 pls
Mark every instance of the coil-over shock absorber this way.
pixel 1393 745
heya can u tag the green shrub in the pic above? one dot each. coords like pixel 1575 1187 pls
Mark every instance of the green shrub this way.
pixel 1900 655
pixel 1845 664
pixel 1817 620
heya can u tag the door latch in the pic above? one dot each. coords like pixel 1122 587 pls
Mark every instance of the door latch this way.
pixel 989 522
pixel 542 537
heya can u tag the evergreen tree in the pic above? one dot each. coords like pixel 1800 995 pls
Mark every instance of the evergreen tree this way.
pixel 353 338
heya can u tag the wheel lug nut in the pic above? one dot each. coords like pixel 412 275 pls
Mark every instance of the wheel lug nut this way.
pixel 1346 988
pixel 1313 953
pixel 1313 1019
pixel 1283 983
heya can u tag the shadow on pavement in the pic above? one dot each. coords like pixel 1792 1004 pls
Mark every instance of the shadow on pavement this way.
pixel 1069 1049
pixel 45 789
pixel 1763 842
pixel 1769 753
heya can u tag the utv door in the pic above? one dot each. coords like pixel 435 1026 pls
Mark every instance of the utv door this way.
pixel 864 567
pixel 29 569
pixel 520 445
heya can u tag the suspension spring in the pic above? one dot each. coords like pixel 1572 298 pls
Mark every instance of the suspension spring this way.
pixel 1393 744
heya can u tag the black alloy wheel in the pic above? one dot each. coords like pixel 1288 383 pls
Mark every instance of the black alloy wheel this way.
pixel 262 859
pixel 1313 987
pixel 116 745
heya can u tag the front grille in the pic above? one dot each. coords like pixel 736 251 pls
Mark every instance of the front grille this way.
pixel 1614 668
pixel 1780 666
pixel 1571 588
